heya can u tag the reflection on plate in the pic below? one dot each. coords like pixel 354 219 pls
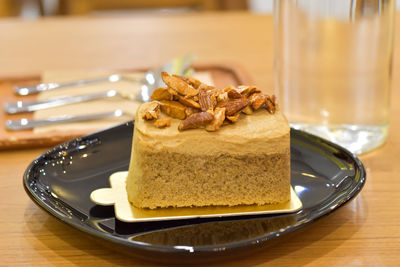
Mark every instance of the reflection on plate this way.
pixel 124 211
pixel 324 176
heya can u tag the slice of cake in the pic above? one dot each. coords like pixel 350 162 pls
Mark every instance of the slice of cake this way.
pixel 200 146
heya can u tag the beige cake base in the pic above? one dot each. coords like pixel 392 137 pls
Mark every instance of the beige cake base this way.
pixel 124 211
pixel 244 163
pixel 176 178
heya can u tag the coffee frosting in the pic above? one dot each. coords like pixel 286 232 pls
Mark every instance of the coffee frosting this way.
pixel 261 131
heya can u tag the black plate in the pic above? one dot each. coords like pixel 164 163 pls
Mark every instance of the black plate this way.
pixel 324 175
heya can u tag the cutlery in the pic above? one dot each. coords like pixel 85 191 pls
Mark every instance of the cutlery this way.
pixel 151 81
pixel 34 89
pixel 151 78
pixel 25 106
pixel 23 124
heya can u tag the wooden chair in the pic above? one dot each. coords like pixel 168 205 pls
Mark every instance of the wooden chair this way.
pixel 10 8
pixel 80 7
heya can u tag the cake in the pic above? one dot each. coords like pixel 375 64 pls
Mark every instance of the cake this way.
pixel 204 146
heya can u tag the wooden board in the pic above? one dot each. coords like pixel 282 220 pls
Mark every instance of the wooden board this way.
pixel 222 76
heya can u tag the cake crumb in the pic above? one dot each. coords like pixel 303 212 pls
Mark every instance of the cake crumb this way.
pixel 151 111
pixel 162 123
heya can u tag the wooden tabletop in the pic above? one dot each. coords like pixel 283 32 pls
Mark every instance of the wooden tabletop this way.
pixel 364 232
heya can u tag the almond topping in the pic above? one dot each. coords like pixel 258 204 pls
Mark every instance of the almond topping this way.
pixel 271 104
pixel 222 104
pixel 234 118
pixel 179 85
pixel 222 97
pixel 273 100
pixel 233 94
pixel 172 91
pixel 189 111
pixel 199 105
pixel 161 123
pixel 248 90
pixel 257 100
pixel 219 95
pixel 195 121
pixel 151 111
pixel 236 105
pixel 247 110
pixel 205 101
pixel 206 87
pixel 173 109
pixel 192 81
pixel 213 98
pixel 161 94
pixel 219 117
pixel 228 88
pixel 188 102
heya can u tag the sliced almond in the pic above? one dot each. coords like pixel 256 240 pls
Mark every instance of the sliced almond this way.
pixel 222 104
pixel 205 87
pixel 189 111
pixel 273 100
pixel 192 81
pixel 213 98
pixel 248 90
pixel 271 104
pixel 151 111
pixel 228 88
pixel 195 121
pixel 188 102
pixel 234 94
pixel 219 117
pixel 173 109
pixel 257 100
pixel 161 123
pixel 233 118
pixel 161 94
pixel 205 100
pixel 235 105
pixel 222 97
pixel 179 84
pixel 247 110
pixel 172 91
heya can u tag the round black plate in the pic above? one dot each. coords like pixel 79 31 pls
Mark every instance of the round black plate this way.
pixel 324 175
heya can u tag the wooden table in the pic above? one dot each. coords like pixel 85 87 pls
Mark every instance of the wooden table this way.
pixel 364 232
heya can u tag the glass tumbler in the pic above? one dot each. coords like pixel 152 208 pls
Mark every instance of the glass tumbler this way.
pixel 333 61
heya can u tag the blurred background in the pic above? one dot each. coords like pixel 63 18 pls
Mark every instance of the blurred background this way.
pixel 31 9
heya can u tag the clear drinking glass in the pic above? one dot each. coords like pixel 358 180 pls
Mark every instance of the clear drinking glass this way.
pixel 333 61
